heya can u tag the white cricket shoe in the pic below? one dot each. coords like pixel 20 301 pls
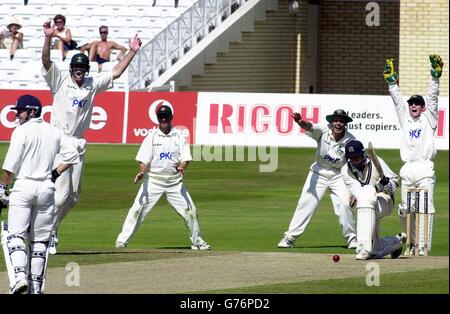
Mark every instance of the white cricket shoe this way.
pixel 120 245
pixel 203 246
pixel 286 243
pixel 362 255
pixel 20 287
pixel 353 244
pixel 53 244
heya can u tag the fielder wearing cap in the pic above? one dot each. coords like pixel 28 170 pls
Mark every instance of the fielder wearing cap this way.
pixel 374 200
pixel 324 174
pixel 163 158
pixel 73 97
pixel 418 122
pixel 29 161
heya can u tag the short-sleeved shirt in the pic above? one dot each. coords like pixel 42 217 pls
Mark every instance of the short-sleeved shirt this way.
pixel 330 154
pixel 162 153
pixel 72 105
pixel 32 150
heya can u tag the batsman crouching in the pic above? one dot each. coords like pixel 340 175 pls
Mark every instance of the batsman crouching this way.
pixel 163 158
pixel 374 192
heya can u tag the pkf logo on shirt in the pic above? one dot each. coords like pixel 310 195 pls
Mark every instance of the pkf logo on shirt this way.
pixel 166 155
pixel 154 107
pixel 415 133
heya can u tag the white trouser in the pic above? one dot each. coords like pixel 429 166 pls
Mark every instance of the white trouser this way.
pixel 30 216
pixel 31 207
pixel 68 189
pixel 147 197
pixel 372 207
pixel 414 175
pixel 313 191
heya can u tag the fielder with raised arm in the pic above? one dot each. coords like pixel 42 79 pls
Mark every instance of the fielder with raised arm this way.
pixel 163 158
pixel 418 121
pixel 324 174
pixel 374 192
pixel 73 97
pixel 29 160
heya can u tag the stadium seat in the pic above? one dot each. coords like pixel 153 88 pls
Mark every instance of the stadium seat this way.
pixel 93 66
pixel 4 54
pixel 55 55
pixel 24 55
pixel 108 66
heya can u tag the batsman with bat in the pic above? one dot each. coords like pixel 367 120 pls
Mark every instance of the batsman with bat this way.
pixel 373 184
pixel 29 160
pixel 418 121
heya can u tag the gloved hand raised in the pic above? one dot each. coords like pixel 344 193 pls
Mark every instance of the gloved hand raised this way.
pixel 389 74
pixel 436 66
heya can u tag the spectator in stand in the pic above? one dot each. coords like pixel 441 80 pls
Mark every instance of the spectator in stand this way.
pixel 100 50
pixel 12 39
pixel 62 36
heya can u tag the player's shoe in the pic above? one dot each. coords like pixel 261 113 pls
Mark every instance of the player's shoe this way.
pixel 353 244
pixel 120 245
pixel 53 244
pixel 362 255
pixel 286 243
pixel 203 246
pixel 20 287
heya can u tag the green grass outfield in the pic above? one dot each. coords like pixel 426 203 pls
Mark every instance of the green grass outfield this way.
pixel 239 208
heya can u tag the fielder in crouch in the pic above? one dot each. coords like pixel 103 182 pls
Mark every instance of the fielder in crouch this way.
pixel 29 160
pixel 163 158
pixel 418 121
pixel 324 173
pixel 374 200
pixel 73 97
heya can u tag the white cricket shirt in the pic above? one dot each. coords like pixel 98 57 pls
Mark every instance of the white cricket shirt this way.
pixel 330 155
pixel 32 150
pixel 162 153
pixel 417 142
pixel 72 105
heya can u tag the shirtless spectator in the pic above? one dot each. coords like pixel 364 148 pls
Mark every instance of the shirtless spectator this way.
pixel 100 50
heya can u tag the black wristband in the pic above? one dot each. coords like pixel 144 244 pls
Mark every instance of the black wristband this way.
pixel 55 175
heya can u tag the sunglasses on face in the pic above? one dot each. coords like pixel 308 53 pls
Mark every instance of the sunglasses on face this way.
pixel 103 32
pixel 59 22
pixel 415 104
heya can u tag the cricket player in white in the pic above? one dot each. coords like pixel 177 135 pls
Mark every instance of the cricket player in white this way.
pixel 374 200
pixel 73 97
pixel 29 160
pixel 163 158
pixel 418 120
pixel 324 173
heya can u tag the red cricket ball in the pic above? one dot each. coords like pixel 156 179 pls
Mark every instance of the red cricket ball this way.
pixel 336 258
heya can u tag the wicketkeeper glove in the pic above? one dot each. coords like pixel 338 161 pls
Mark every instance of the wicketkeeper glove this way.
pixel 4 198
pixel 436 66
pixel 389 74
